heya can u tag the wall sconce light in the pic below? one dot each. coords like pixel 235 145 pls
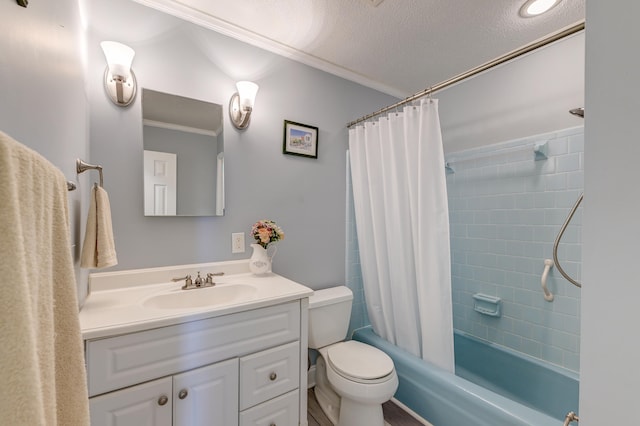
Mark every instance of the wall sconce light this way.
pixel 119 79
pixel 241 104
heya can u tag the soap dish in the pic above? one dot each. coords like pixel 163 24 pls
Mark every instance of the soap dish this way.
pixel 487 305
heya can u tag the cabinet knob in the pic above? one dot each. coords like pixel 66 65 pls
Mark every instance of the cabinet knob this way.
pixel 273 376
pixel 163 400
pixel 183 394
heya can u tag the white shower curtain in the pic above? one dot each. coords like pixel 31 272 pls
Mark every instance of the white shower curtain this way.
pixel 402 221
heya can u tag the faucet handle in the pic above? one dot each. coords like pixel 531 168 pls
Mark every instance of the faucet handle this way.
pixel 175 280
pixel 211 275
pixel 187 281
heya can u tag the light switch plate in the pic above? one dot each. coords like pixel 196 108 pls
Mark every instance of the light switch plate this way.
pixel 237 242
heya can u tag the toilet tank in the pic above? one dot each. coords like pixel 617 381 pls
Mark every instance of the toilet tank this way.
pixel 329 315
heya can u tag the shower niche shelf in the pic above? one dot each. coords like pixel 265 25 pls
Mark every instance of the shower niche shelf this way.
pixel 487 305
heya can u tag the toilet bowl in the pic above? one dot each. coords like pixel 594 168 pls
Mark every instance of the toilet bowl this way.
pixel 353 379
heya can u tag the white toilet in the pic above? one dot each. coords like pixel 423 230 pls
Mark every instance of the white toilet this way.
pixel 353 379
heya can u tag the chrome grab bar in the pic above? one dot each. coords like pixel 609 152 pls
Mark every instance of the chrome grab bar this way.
pixel 571 417
pixel 557 241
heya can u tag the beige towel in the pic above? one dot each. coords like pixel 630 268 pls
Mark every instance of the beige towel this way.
pixel 98 249
pixel 41 353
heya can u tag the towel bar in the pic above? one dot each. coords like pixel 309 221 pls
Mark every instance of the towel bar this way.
pixel 82 167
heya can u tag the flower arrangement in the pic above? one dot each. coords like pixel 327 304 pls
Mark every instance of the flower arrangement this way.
pixel 266 231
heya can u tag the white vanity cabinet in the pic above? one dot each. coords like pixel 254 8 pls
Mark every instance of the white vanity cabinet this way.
pixel 204 396
pixel 242 368
pixel 269 382
pixel 145 404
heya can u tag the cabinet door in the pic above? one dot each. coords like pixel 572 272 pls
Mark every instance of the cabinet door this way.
pixel 207 395
pixel 148 404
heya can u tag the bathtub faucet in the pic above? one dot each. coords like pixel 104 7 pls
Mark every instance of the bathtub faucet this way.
pixel 570 418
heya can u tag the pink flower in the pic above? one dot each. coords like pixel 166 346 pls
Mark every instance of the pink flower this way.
pixel 265 235
pixel 266 232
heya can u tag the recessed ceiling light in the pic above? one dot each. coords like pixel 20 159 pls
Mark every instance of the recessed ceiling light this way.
pixel 536 7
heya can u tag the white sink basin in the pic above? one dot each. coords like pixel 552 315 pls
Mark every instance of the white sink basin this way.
pixel 202 297
pixel 123 302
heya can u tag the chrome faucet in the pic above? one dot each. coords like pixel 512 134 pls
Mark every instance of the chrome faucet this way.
pixel 199 282
pixel 570 418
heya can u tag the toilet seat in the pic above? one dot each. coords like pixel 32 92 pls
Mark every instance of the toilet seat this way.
pixel 360 362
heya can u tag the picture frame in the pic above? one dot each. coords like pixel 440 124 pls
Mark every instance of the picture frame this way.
pixel 300 139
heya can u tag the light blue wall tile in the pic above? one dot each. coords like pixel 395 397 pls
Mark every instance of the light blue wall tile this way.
pixel 555 182
pixel 553 355
pixel 524 202
pixel 568 163
pixel 571 361
pixel 531 347
pixel 558 146
pixel 575 180
pixel 576 143
pixel 513 341
pixel 505 212
pixel 543 199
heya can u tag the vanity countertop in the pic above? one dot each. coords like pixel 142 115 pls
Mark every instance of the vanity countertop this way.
pixel 124 301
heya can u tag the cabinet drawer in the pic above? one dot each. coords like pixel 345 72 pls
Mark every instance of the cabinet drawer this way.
pixel 121 361
pixel 269 373
pixel 280 411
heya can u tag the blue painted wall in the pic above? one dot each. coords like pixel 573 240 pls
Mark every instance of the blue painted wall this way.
pixel 43 101
pixel 304 196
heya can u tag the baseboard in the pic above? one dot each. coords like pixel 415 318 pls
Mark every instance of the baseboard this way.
pixel 311 376
pixel 411 412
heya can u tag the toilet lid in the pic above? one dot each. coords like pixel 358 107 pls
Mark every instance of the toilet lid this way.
pixel 360 361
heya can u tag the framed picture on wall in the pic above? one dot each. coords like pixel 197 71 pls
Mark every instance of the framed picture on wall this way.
pixel 300 139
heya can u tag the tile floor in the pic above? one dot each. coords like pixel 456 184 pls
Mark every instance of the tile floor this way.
pixel 393 415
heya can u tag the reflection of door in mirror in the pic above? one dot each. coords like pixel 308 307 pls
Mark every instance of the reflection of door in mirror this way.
pixel 190 132
pixel 160 183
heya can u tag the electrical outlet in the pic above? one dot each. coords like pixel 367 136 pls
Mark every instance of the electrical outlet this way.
pixel 237 242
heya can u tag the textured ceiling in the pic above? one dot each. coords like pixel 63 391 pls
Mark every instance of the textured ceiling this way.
pixel 399 47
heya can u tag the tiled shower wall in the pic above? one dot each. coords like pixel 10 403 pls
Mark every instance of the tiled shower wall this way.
pixel 505 211
pixel 359 317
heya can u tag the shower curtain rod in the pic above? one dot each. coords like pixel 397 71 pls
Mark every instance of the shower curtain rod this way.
pixel 477 70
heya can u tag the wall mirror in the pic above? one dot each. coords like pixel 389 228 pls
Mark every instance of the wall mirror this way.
pixel 183 156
